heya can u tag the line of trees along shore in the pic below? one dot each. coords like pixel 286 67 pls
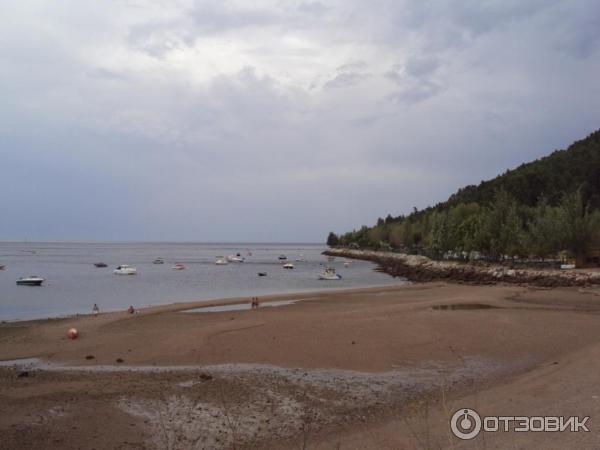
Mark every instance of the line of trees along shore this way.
pixel 500 218
pixel 502 229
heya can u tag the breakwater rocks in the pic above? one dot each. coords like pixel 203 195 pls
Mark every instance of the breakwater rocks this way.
pixel 421 268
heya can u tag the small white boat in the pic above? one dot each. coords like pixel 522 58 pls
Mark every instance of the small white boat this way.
pixel 346 264
pixel 178 266
pixel 329 274
pixel 221 261
pixel 235 259
pixel 301 258
pixel 32 280
pixel 288 266
pixel 125 269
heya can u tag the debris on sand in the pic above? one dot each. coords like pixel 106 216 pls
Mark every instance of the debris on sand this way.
pixel 246 404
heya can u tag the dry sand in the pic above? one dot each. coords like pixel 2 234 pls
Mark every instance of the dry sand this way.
pixel 366 368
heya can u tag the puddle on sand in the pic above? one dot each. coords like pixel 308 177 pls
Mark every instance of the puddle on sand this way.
pixel 237 307
pixel 464 306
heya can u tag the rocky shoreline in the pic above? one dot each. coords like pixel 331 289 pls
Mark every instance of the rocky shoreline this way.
pixel 421 268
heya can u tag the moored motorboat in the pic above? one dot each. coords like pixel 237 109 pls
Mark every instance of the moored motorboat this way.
pixel 100 264
pixel 221 261
pixel 2 266
pixel 178 266
pixel 301 258
pixel 125 269
pixel 329 274
pixel 235 259
pixel 32 280
pixel 282 257
pixel 262 274
pixel 158 261
pixel 288 266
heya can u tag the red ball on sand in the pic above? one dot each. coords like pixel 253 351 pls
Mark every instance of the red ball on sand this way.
pixel 72 333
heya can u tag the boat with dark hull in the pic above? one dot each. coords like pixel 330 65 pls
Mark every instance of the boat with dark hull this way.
pixel 32 280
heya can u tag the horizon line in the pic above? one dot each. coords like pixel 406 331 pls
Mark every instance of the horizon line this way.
pixel 93 241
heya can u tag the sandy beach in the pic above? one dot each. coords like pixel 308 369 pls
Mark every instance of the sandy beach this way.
pixel 364 368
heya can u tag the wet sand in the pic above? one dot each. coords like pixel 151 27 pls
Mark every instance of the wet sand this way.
pixel 365 368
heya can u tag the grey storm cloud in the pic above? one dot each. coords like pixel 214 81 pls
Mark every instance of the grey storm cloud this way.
pixel 416 80
pixel 205 120
pixel 348 74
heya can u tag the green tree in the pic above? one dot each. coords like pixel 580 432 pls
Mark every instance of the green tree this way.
pixel 375 236
pixel 503 226
pixel 440 233
pixel 475 233
pixel 396 236
pixel 333 240
pixel 577 224
pixel 407 235
pixel 543 235
pixel 458 218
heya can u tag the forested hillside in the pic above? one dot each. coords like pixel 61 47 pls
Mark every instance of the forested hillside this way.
pixel 539 209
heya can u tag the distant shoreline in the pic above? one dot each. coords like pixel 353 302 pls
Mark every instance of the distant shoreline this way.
pixel 421 268
pixel 240 243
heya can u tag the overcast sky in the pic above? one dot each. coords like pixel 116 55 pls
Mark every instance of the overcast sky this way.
pixel 276 120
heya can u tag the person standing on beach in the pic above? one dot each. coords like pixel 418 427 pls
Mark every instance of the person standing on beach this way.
pixel 95 309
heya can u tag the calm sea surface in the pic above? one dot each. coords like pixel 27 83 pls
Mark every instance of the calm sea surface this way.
pixel 73 284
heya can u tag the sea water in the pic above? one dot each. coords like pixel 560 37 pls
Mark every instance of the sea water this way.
pixel 73 284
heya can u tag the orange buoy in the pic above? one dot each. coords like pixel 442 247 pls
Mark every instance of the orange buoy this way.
pixel 72 333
